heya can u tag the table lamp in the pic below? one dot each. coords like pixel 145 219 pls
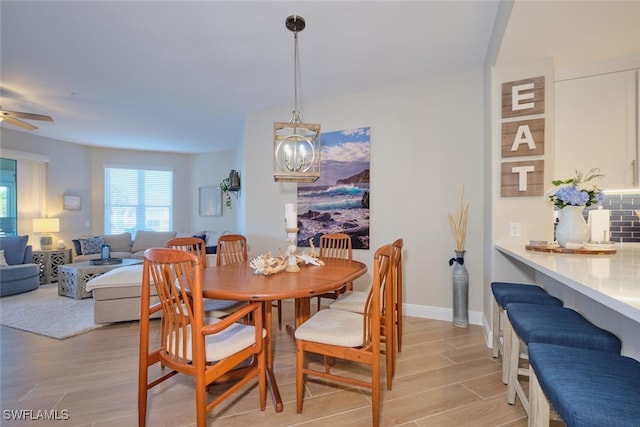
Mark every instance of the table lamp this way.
pixel 46 226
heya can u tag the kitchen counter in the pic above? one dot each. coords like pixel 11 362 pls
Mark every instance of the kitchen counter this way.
pixel 603 288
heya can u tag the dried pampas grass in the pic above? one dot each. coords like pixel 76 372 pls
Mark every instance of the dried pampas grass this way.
pixel 458 223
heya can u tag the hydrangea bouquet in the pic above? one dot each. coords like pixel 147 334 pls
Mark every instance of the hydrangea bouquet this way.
pixel 577 191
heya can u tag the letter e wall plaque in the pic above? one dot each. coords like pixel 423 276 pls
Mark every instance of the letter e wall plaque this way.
pixel 520 179
pixel 523 138
pixel 523 97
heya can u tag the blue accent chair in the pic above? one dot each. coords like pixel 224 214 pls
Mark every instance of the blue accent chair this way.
pixel 19 274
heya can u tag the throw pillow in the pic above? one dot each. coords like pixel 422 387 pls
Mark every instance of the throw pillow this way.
pixel 76 245
pixel 203 237
pixel 151 239
pixel 119 242
pixel 91 245
pixel 3 261
pixel 14 248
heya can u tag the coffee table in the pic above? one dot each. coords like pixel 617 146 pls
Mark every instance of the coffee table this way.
pixel 73 278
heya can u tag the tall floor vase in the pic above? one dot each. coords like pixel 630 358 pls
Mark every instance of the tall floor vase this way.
pixel 572 230
pixel 460 277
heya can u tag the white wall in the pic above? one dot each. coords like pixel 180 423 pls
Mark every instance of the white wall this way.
pixel 426 142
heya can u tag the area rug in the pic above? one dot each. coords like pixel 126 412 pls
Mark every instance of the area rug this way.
pixel 44 312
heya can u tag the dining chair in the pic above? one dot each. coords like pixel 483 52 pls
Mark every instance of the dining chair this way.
pixel 207 349
pixel 197 246
pixel 347 335
pixel 335 245
pixel 232 248
pixel 391 320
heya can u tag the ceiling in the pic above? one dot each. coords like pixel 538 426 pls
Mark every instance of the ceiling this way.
pixel 180 76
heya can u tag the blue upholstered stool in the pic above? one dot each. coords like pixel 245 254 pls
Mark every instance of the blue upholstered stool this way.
pixel 505 293
pixel 586 388
pixel 551 325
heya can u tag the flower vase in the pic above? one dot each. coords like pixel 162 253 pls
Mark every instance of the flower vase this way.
pixel 572 231
pixel 460 291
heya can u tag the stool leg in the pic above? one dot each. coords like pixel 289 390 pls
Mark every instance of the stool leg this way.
pixel 496 329
pixel 506 348
pixel 539 409
pixel 514 358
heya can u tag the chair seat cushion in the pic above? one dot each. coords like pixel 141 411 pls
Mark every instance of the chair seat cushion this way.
pixel 353 301
pixel 507 293
pixel 559 325
pixel 335 327
pixel 235 338
pixel 588 388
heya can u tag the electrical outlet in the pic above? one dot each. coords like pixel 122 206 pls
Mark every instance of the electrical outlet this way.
pixel 514 229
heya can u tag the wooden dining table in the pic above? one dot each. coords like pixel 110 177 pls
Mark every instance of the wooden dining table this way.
pixel 239 282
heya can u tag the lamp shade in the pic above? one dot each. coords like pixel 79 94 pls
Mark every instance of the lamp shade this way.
pixel 46 225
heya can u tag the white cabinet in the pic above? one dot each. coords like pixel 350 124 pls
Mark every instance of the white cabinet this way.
pixel 596 121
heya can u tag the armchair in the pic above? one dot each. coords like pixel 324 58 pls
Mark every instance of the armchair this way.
pixel 18 273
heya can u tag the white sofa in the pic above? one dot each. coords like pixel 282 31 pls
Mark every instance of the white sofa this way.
pixel 122 246
pixel 116 293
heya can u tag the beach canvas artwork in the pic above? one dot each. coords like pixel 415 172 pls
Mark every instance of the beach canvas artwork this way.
pixel 339 201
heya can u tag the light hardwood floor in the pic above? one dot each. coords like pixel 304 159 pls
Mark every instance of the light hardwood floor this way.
pixel 445 377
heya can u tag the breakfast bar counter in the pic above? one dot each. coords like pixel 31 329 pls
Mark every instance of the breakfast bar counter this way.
pixel 603 288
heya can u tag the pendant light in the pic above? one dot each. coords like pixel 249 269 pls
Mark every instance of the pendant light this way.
pixel 296 149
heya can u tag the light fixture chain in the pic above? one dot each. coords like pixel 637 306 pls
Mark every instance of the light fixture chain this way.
pixel 296 112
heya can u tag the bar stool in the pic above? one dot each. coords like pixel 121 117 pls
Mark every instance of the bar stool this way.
pixel 550 325
pixel 505 293
pixel 586 388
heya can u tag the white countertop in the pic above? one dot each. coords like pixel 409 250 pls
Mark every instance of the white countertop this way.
pixel 613 280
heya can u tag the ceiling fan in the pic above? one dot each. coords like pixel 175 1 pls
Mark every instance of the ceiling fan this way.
pixel 13 117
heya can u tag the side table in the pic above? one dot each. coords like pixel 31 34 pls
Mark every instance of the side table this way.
pixel 49 261
pixel 74 277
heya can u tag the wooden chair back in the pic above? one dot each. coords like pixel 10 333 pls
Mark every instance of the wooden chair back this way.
pixel 396 266
pixel 232 248
pixel 177 277
pixel 335 245
pixel 193 245
pixel 378 296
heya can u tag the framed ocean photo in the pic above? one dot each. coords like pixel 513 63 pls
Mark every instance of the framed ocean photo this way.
pixel 339 201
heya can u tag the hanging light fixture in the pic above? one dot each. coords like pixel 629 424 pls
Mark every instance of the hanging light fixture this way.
pixel 296 149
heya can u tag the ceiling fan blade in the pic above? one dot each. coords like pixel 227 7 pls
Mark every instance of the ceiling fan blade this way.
pixel 16 122
pixel 27 116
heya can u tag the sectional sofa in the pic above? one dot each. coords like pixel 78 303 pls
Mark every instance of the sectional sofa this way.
pixel 117 292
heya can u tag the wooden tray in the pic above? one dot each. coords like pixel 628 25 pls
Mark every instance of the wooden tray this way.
pixel 559 250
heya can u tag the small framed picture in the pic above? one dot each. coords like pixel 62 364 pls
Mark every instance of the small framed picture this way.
pixel 210 201
pixel 71 203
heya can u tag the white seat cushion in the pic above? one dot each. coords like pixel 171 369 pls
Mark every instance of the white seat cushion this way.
pixel 130 275
pixel 223 344
pixel 336 327
pixel 351 301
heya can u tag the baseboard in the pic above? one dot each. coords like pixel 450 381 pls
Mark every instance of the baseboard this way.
pixel 439 313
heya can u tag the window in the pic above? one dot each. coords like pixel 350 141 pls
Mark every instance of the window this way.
pixel 8 203
pixel 137 199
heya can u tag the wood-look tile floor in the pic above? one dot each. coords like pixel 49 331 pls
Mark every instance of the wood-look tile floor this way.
pixel 445 376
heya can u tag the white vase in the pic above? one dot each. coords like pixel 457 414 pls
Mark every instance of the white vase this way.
pixel 572 231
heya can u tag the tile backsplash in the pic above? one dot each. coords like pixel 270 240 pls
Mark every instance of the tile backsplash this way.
pixel 625 224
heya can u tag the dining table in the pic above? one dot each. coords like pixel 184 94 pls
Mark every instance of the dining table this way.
pixel 239 282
